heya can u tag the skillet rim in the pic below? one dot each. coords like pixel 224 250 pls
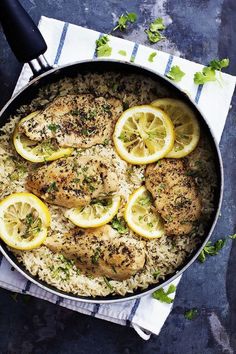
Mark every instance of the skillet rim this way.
pixel 152 287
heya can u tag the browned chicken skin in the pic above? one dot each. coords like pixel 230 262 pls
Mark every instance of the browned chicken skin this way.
pixel 75 120
pixel 101 251
pixel 175 194
pixel 73 181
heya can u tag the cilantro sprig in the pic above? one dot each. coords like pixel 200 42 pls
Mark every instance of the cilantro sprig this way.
pixel 102 47
pixel 175 73
pixel 208 73
pixel 124 19
pixel 153 32
pixel 163 295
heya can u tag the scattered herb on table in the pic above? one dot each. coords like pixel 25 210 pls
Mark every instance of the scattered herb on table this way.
pixel 152 56
pixel 219 64
pixel 211 250
pixel 233 237
pixel 163 296
pixel 175 73
pixel 191 314
pixel 102 47
pixel 208 73
pixel 124 19
pixel 119 225
pixel 122 52
pixel 153 32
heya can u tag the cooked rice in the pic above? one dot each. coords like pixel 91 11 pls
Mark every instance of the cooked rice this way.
pixel 164 255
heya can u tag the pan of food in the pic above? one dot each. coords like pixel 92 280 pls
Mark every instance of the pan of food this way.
pixel 111 180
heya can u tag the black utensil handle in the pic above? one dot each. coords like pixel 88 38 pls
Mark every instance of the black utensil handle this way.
pixel 22 34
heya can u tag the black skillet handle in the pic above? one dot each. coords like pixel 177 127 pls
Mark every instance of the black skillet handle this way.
pixel 22 34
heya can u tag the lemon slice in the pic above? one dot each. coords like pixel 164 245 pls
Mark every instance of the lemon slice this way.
pixel 24 220
pixel 187 131
pixel 96 214
pixel 35 151
pixel 143 134
pixel 141 216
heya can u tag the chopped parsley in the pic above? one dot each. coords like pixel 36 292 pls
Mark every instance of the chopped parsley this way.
pixel 211 250
pixel 122 52
pixel 105 142
pixel 233 237
pixel 52 187
pixel 124 19
pixel 163 295
pixel 102 47
pixel 96 256
pixel 53 127
pixel 191 314
pixel 175 73
pixel 132 59
pixel 153 32
pixel 119 225
pixel 108 284
pixel 155 274
pixel 219 64
pixel 208 73
pixel 152 56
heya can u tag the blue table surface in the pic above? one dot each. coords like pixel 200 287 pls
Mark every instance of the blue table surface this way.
pixel 198 30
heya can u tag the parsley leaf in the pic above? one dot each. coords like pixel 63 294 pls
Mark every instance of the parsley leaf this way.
pixel 102 47
pixel 219 64
pixel 157 25
pixel 211 250
pixel 175 73
pixel 152 56
pixel 53 127
pixel 233 237
pixel 122 52
pixel 154 29
pixel 162 296
pixel 124 19
pixel 207 74
pixel 191 314
pixel 119 225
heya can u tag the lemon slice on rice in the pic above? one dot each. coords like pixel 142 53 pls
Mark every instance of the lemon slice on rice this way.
pixel 143 134
pixel 35 151
pixel 97 213
pixel 24 220
pixel 187 131
pixel 141 216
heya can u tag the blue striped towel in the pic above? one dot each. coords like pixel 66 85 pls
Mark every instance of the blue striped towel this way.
pixel 69 43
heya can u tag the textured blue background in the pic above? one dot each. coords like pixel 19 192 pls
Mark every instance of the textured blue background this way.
pixel 198 30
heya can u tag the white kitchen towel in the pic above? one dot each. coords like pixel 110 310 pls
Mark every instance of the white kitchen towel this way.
pixel 68 43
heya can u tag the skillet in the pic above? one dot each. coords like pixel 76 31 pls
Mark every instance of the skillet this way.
pixel 29 46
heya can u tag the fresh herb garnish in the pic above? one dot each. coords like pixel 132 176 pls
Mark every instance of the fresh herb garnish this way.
pixel 122 52
pixel 154 34
pixel 108 284
pixel 52 187
pixel 105 142
pixel 191 314
pixel 96 256
pixel 152 56
pixel 53 127
pixel 163 296
pixel 219 64
pixel 175 73
pixel 102 47
pixel 124 19
pixel 155 274
pixel 119 225
pixel 208 73
pixel 211 250
pixel 233 237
